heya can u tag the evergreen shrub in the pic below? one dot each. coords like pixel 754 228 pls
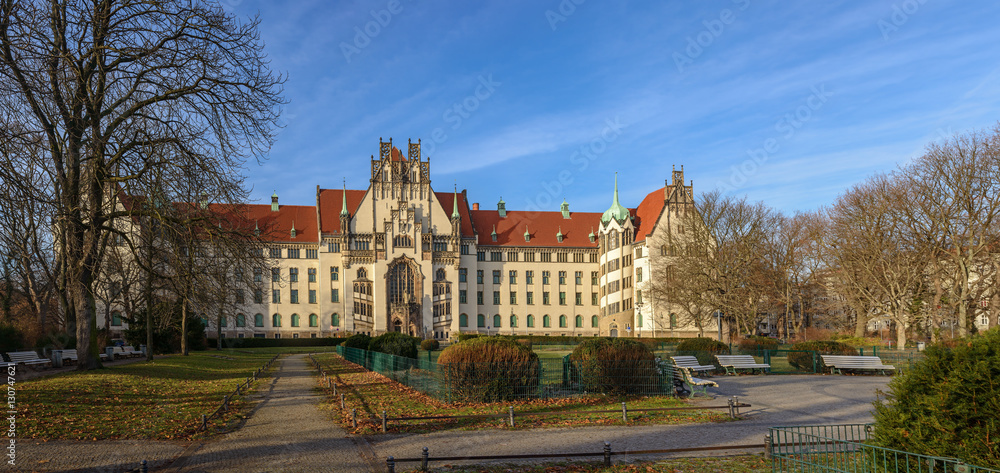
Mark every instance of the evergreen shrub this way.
pixel 358 340
pixel 490 369
pixel 430 345
pixel 395 343
pixel 804 360
pixel 947 404
pixel 702 348
pixel 615 366
pixel 756 346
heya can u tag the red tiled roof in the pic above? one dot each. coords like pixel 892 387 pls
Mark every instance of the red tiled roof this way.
pixel 277 226
pixel 647 213
pixel 330 203
pixel 396 155
pixel 542 226
pixel 446 199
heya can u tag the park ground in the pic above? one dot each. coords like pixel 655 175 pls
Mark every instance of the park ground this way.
pixel 150 412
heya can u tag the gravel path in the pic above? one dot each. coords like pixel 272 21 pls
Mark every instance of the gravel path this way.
pixel 286 433
pixel 775 400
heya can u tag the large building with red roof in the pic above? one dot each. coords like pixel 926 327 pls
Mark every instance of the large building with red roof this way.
pixel 399 256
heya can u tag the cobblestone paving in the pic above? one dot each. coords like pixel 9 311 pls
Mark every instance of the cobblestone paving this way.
pixel 287 433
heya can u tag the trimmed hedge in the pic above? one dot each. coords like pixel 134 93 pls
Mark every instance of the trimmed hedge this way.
pixel 804 361
pixel 947 404
pixel 702 348
pixel 490 369
pixel 358 340
pixel 615 366
pixel 276 342
pixel 395 343
pixel 430 345
pixel 756 346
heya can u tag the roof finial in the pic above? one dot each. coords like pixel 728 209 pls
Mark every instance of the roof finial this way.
pixel 343 206
pixel 494 234
pixel 454 205
pixel 617 211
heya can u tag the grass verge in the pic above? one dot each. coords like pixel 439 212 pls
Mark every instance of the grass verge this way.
pixel 162 399
pixel 370 393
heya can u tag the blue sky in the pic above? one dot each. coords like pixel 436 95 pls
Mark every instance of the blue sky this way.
pixel 537 101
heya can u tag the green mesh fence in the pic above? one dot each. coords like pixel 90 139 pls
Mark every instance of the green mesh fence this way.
pixel 845 448
pixel 490 382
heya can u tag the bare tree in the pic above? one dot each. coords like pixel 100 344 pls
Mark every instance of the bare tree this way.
pixel 116 89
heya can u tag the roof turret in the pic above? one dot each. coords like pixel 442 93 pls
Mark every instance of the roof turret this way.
pixel 617 212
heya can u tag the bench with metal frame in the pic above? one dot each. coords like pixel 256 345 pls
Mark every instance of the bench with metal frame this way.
pixel 691 363
pixel 70 356
pixel 839 363
pixel 29 359
pixel 684 374
pixel 741 362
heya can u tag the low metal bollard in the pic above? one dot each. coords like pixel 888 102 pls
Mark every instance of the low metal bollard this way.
pixel 354 418
pixel 341 401
pixel 624 413
pixel 510 412
pixel 144 467
pixel 424 457
pixel 607 453
pixel 383 421
pixel 390 463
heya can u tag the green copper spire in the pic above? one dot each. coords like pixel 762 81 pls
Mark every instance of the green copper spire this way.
pixel 527 235
pixel 617 211
pixel 494 233
pixel 274 201
pixel 343 206
pixel 454 207
pixel 559 236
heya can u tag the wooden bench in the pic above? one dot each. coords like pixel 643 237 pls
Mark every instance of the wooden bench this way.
pixel 29 359
pixel 694 384
pixel 131 351
pixel 691 363
pixel 839 363
pixel 740 362
pixel 70 356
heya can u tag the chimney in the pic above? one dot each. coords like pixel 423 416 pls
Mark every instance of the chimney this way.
pixel 475 206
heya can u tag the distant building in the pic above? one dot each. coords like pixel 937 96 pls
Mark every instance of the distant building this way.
pixel 399 256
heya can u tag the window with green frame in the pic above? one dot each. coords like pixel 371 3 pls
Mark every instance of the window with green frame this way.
pixel 545 321
pixel 463 320
pixel 241 320
pixel 481 321
pixel 579 321
pixel 258 320
pixel 562 321
pixel 313 320
pixel 116 319
pixel 594 321
pixel 335 320
pixel 496 321
pixel 295 320
pixel 276 320
pixel 513 321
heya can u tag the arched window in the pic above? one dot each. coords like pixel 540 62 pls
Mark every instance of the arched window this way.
pixel 673 320
pixel 664 250
pixel 335 320
pixel 463 320
pixel 481 321
pixel 276 320
pixel 223 322
pixel 513 321
pixel 440 275
pixel 545 321
pixel 295 320
pixel 594 321
pixel 241 320
pixel 362 273
pixel 313 320
pixel 531 320
pixel 496 321
pixel 116 319
pixel 579 321
pixel 258 320
pixel 562 321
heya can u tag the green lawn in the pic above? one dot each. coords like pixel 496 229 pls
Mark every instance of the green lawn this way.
pixel 371 393
pixel 161 399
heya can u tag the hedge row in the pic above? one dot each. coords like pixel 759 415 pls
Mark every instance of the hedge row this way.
pixel 276 342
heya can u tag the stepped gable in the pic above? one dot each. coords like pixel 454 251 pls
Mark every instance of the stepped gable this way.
pixel 542 226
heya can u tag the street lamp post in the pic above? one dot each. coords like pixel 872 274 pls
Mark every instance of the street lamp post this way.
pixel 638 306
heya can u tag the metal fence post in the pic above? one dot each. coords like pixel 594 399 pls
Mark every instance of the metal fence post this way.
pixel 736 404
pixel 204 422
pixel 607 453
pixel 624 413
pixel 768 447
pixel 510 411
pixel 383 421
pixel 390 463
pixel 354 418
pixel 731 416
pixel 144 467
pixel 341 400
pixel 423 460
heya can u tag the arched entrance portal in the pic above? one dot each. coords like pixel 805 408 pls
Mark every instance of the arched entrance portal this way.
pixel 405 284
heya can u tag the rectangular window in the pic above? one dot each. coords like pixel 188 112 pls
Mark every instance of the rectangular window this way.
pixel 312 296
pixel 293 274
pixel 529 257
pixel 440 246
pixel 512 275
pixel 496 297
pixel 579 298
pixel 496 276
pixel 561 257
pixel 512 256
pixel 638 297
pixel 545 298
pixel 293 253
pixel 513 298
pixel 562 277
pixel 530 298
pixel 545 277
pixel 463 274
pixel 333 247
pixel 546 257
pixel 496 256
pixel 579 277
pixel 463 296
pixel 594 278
pixel 479 297
pixel 239 296
pixel 334 273
pixel 529 277
pixel 312 254
pixel 335 295
pixel 295 296
pixel 465 249
pixel 258 296
pixel 562 298
pixel 312 274
pixel 638 252
pixel 480 255
pixel 258 275
pixel 578 257
pixel 479 276
pixel 638 274
pixel 275 275
pixel 275 296
pixel 276 252
pixel 593 298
